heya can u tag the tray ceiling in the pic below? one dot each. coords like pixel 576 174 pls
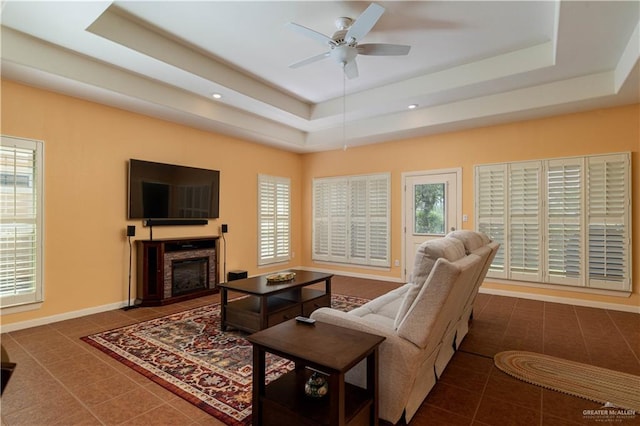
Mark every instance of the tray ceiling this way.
pixel 471 64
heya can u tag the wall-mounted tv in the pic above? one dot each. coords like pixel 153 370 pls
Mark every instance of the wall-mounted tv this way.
pixel 169 191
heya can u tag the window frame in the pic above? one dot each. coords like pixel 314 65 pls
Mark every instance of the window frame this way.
pixel 16 301
pixel 563 212
pixel 277 244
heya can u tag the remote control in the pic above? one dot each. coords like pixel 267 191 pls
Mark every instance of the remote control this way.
pixel 305 320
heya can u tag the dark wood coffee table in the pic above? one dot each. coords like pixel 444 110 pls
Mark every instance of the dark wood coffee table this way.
pixel 269 304
pixel 323 347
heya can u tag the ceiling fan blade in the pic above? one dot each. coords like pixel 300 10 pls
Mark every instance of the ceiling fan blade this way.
pixel 365 22
pixel 383 49
pixel 310 60
pixel 312 34
pixel 351 69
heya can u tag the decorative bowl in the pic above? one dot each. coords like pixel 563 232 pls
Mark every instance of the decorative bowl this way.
pixel 280 277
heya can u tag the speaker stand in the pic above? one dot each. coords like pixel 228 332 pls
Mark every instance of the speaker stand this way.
pixel 129 305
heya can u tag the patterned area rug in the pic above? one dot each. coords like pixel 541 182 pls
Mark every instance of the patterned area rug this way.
pixel 602 385
pixel 189 355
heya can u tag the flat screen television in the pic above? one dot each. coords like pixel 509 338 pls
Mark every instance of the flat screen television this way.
pixel 169 191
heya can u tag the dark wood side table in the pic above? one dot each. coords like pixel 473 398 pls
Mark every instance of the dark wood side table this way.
pixel 326 348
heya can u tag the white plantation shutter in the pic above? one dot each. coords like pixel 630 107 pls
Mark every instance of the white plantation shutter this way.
pixel 338 214
pixel 524 246
pixel 608 221
pixel 21 221
pixel 274 216
pixel 330 219
pixel 351 219
pixel 358 238
pixel 564 243
pixel 378 220
pixel 321 209
pixel 564 221
pixel 491 209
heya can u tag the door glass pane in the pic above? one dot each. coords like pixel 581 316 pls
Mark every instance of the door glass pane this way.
pixel 429 209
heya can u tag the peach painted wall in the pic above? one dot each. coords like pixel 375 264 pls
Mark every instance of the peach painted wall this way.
pixel 594 132
pixel 87 146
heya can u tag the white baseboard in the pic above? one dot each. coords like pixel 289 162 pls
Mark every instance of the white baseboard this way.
pixel 564 300
pixel 60 317
pixel 543 298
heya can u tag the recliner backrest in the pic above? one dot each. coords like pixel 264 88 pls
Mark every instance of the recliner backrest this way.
pixel 430 251
pixel 426 256
pixel 435 306
pixel 471 240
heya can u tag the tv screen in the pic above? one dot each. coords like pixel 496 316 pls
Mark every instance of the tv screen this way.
pixel 168 191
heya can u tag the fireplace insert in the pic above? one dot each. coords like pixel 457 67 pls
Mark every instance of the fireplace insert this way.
pixel 189 275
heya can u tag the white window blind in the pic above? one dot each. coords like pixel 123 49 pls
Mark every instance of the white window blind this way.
pixel 351 219
pixel 274 217
pixel 491 205
pixel 565 189
pixel 524 221
pixel 21 219
pixel 559 221
pixel 609 239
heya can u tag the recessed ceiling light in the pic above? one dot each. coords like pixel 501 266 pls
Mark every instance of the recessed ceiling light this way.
pixel 216 96
pixel 413 106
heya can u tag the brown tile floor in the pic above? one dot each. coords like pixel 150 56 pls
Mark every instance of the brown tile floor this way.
pixel 62 381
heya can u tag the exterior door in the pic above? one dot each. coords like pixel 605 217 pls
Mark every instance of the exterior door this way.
pixel 432 205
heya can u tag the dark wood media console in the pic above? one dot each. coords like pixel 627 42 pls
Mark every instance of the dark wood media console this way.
pixel 171 270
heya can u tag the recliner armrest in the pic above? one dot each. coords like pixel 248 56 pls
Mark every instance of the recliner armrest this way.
pixel 354 322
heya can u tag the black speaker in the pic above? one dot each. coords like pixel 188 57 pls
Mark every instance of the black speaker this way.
pixel 225 228
pixel 131 231
pixel 236 275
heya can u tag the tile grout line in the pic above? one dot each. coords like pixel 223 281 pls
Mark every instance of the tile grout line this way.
pixel 633 352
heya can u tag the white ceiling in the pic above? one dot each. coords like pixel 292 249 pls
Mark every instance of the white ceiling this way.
pixel 472 63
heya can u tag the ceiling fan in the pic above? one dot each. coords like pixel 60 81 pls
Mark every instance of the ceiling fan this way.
pixel 344 44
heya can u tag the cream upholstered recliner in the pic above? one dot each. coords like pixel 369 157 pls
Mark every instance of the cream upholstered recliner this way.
pixel 480 244
pixel 419 320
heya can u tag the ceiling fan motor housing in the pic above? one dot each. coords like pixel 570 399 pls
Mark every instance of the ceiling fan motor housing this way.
pixel 338 37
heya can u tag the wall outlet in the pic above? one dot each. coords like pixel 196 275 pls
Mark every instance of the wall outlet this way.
pixel 396 262
pixel 465 218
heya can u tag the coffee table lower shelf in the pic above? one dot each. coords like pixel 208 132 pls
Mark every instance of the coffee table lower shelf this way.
pixel 284 399
pixel 246 313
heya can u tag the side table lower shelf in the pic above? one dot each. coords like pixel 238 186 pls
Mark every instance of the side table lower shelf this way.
pixel 284 398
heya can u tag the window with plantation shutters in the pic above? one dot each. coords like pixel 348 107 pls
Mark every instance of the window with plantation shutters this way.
pixel 351 219
pixel 274 217
pixel 20 221
pixel 559 221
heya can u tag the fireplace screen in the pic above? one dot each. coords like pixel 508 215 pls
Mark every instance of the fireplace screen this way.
pixel 189 275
